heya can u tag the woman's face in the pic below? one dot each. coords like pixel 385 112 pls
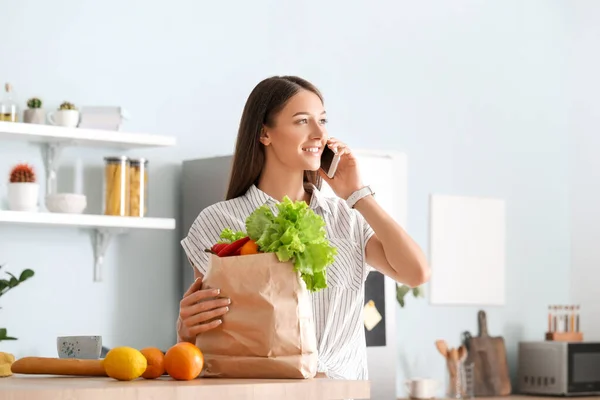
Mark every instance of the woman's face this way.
pixel 298 135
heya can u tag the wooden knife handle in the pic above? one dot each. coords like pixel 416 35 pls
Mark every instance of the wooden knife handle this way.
pixel 58 366
pixel 483 330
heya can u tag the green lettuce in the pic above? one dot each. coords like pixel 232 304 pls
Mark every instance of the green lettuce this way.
pixel 229 236
pixel 296 233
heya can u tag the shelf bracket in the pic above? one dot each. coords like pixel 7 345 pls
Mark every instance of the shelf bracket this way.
pixel 102 238
pixel 51 154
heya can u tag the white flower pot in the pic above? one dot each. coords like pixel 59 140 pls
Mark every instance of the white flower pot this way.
pixel 69 118
pixel 23 196
pixel 34 116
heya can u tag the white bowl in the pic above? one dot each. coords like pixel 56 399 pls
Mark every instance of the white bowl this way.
pixel 83 347
pixel 69 203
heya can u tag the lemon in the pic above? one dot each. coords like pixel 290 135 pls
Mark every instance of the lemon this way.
pixel 125 363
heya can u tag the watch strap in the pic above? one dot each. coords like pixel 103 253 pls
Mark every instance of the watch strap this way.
pixel 359 194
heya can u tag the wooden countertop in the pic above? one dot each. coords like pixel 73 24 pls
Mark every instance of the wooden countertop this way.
pixel 528 397
pixel 543 397
pixel 42 387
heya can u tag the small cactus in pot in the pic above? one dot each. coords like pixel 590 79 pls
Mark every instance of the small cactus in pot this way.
pixel 65 105
pixel 34 102
pixel 22 173
pixel 23 189
pixel 34 114
pixel 66 115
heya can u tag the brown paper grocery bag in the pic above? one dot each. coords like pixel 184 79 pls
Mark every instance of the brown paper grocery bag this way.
pixel 269 330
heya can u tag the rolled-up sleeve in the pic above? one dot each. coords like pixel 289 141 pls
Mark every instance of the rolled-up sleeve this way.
pixel 206 231
pixel 366 232
pixel 197 240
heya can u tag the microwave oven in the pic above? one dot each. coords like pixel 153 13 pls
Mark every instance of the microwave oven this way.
pixel 559 368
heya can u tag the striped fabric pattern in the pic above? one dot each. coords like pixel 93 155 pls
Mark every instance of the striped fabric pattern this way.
pixel 337 309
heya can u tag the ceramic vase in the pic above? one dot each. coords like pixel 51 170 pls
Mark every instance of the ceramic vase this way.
pixel 68 118
pixel 34 116
pixel 23 196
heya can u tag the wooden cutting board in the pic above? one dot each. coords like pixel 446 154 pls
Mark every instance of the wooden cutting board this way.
pixel 490 367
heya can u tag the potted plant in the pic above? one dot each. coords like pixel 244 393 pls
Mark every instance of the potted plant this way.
pixel 23 189
pixel 66 115
pixel 34 114
pixel 5 286
pixel 403 290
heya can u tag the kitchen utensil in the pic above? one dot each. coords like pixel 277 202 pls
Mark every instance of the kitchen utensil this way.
pixel 455 358
pixel 442 347
pixel 488 355
pixel 462 353
pixel 58 366
pixel 453 352
pixel 453 364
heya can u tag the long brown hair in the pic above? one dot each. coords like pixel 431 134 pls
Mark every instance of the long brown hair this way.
pixel 266 100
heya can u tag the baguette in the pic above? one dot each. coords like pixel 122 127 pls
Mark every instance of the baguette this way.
pixel 58 366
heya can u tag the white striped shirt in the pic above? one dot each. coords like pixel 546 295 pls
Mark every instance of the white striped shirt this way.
pixel 337 309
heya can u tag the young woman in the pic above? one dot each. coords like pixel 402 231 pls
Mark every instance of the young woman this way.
pixel 278 151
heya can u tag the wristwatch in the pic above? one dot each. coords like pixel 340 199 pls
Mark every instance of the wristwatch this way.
pixel 359 194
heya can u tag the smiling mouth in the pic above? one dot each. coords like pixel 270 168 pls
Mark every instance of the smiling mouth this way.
pixel 313 150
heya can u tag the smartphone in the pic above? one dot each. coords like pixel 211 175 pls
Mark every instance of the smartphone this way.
pixel 329 162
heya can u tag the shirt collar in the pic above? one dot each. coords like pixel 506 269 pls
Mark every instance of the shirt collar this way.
pixel 258 198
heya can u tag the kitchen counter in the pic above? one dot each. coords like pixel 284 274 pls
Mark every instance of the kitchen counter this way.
pixel 42 387
pixel 528 397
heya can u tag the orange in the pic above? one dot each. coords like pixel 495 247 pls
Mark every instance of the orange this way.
pixel 156 362
pixel 250 247
pixel 184 361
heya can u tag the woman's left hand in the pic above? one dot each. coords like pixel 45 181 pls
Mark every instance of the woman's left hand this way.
pixel 347 178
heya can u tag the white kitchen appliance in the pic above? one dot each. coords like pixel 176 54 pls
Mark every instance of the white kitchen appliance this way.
pixel 204 182
pixel 559 368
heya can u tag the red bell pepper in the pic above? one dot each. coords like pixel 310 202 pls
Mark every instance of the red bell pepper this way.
pixel 230 249
pixel 218 247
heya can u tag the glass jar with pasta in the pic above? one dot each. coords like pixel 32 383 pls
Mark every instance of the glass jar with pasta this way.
pixel 138 194
pixel 116 186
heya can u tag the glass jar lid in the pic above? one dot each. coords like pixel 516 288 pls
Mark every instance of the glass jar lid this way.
pixel 138 161
pixel 112 159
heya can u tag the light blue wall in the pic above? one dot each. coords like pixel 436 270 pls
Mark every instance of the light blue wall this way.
pixel 472 91
pixel 585 165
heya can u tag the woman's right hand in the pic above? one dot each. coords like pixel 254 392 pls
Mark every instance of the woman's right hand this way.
pixel 199 310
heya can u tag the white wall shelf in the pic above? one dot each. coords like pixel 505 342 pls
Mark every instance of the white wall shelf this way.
pixel 53 139
pixel 104 227
pixel 81 137
pixel 85 220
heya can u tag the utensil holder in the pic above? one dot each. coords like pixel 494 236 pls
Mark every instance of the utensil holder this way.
pixel 460 380
pixel 564 336
pixel 455 377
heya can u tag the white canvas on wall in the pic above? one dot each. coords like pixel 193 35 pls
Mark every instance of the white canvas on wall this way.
pixel 467 250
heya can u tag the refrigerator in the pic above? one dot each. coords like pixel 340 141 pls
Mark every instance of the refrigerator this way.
pixel 204 182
